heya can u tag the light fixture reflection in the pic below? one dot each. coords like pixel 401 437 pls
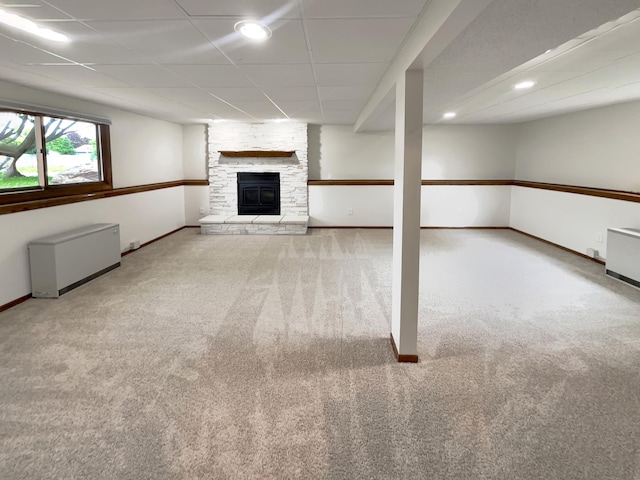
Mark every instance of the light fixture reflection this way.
pixel 29 26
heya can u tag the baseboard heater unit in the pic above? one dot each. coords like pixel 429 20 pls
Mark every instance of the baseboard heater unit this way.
pixel 623 255
pixel 64 261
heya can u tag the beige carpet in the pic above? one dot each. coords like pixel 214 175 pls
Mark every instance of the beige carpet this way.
pixel 262 357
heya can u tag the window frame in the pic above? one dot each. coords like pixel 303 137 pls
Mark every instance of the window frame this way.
pixel 47 191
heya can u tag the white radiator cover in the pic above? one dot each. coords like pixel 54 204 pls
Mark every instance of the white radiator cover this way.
pixel 66 260
pixel 623 255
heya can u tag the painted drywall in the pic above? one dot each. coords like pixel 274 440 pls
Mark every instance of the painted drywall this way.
pixel 441 206
pixel 143 217
pixel 592 148
pixel 194 157
pixel 144 151
pixel 194 152
pixel 195 199
pixel 449 152
pixel 574 221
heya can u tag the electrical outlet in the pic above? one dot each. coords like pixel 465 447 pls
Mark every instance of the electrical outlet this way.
pixel 202 210
pixel 350 211
pixel 599 237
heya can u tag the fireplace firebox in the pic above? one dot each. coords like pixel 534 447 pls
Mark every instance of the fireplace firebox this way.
pixel 258 193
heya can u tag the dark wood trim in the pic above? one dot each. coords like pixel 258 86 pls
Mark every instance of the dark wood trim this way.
pixel 593 192
pixel 257 153
pixel 42 193
pixel 195 183
pixel 402 358
pixel 22 206
pixel 470 227
pixel 105 152
pixel 623 195
pixel 17 301
pixel 597 260
pixel 127 252
pixel 467 182
pixel 383 182
pixel 349 182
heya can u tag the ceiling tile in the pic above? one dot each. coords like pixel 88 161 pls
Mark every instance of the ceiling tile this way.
pixel 24 53
pixel 143 75
pixel 292 93
pixel 299 108
pixel 345 93
pixel 33 10
pixel 74 75
pixel 163 41
pixel 280 76
pixel 119 9
pixel 286 45
pixel 273 9
pixel 258 108
pixel 191 95
pixel 357 40
pixel 89 46
pixel 230 94
pixel 349 75
pixel 362 8
pixel 343 105
pixel 207 76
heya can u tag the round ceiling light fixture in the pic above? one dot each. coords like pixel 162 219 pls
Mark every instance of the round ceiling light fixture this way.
pixel 449 115
pixel 524 85
pixel 253 30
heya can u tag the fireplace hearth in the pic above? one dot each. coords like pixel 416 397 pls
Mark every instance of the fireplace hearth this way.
pixel 258 193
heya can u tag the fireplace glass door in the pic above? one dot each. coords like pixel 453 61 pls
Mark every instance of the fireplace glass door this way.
pixel 258 193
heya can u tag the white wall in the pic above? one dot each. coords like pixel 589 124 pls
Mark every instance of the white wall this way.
pixel 441 206
pixel 144 151
pixel 593 148
pixel 194 156
pixel 144 217
pixel 449 152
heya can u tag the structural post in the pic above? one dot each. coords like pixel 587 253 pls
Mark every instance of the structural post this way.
pixel 406 216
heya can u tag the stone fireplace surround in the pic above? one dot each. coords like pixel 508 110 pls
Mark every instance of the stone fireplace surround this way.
pixel 252 137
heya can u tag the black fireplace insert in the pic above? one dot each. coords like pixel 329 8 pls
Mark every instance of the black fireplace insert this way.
pixel 258 193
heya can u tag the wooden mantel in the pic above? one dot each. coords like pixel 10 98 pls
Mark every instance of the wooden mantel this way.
pixel 257 153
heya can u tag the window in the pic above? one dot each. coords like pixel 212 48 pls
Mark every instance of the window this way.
pixel 45 156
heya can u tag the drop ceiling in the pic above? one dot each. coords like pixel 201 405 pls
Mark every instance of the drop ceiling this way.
pixel 180 60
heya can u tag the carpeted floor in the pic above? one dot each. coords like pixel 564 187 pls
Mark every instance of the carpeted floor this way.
pixel 268 357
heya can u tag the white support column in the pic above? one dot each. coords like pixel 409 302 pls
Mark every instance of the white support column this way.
pixel 406 215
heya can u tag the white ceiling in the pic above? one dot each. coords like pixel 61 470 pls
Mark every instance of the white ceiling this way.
pixel 180 60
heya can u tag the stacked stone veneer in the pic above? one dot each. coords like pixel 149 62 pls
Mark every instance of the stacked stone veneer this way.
pixel 294 171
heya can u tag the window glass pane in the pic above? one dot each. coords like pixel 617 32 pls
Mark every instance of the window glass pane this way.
pixel 72 151
pixel 18 162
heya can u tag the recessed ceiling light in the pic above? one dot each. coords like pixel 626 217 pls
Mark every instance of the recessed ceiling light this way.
pixel 449 115
pixel 524 85
pixel 281 120
pixel 26 25
pixel 253 30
